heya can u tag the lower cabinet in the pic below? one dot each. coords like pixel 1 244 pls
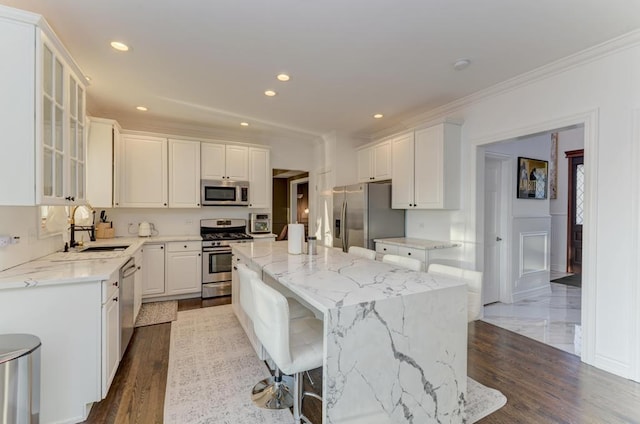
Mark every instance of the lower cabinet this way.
pixel 410 252
pixel 78 325
pixel 153 275
pixel 184 267
pixel 110 332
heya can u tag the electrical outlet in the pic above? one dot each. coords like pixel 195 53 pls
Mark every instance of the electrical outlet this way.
pixel 5 241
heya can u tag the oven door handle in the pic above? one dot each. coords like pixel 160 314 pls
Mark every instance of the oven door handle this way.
pixel 215 250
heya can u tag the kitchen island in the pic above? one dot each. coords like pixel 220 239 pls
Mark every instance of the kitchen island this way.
pixel 395 340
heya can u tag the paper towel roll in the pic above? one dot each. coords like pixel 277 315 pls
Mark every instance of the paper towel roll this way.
pixel 296 238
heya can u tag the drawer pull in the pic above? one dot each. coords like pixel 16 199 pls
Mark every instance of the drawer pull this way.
pixel 409 253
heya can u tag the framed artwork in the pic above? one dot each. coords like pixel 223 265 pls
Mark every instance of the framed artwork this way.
pixel 533 176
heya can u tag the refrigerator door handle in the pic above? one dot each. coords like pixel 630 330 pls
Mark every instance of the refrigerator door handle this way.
pixel 343 225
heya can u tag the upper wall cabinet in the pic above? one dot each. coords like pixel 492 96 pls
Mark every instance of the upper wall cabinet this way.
pixel 224 162
pixel 374 162
pixel 42 115
pixel 259 178
pixel 426 168
pixel 102 160
pixel 184 174
pixel 143 172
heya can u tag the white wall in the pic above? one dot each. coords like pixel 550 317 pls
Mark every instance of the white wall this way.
pixel 568 140
pixel 603 94
pixel 22 221
pixel 600 90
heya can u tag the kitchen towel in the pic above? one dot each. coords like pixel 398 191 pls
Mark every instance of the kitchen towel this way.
pixel 296 237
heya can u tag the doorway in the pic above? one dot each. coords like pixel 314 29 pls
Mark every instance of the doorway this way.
pixel 575 214
pixel 282 199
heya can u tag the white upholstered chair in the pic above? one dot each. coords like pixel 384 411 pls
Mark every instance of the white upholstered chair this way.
pixel 362 252
pixel 403 261
pixel 474 286
pixel 295 346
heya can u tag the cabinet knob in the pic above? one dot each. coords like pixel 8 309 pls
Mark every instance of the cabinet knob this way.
pixel 115 299
pixel 139 267
pixel 199 254
pixel 408 253
pixel 115 283
pixel 384 248
pixel 161 247
pixel 165 204
pixel 70 198
pixel 198 204
pixel 117 203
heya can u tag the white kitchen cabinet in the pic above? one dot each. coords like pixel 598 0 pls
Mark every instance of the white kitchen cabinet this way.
pixel 42 112
pixel 77 323
pixel 143 172
pixel 110 333
pixel 374 162
pixel 184 174
pixel 102 160
pixel 259 178
pixel 224 162
pixel 138 282
pixel 184 268
pixel 153 281
pixel 426 168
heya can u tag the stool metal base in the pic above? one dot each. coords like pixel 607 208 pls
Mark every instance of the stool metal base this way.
pixel 271 394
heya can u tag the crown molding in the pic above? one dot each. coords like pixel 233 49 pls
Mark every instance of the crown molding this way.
pixel 591 54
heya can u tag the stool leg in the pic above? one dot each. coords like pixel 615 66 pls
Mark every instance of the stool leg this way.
pixel 298 382
pixel 274 392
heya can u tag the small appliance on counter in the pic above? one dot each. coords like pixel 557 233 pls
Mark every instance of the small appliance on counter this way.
pixel 259 223
pixel 145 229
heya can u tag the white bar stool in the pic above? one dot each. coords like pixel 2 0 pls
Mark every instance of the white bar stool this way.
pixel 362 252
pixel 295 346
pixel 403 261
pixel 474 286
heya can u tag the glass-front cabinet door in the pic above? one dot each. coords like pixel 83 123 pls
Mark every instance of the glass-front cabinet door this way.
pixel 53 146
pixel 63 131
pixel 76 140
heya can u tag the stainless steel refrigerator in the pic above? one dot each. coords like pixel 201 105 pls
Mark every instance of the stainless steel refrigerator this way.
pixel 362 213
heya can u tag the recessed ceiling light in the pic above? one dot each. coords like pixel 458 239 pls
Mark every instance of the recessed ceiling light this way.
pixel 270 93
pixel 119 46
pixel 142 108
pixel 244 124
pixel 461 64
pixel 378 115
pixel 283 77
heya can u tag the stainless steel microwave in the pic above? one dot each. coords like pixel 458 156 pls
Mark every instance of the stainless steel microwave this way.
pixel 224 193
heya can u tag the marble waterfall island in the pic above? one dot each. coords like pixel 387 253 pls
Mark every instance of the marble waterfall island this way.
pixel 395 340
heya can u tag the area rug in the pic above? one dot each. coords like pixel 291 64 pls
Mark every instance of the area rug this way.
pixel 157 313
pixel 212 368
pixel 574 280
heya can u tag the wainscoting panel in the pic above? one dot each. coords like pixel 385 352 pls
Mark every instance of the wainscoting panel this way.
pixel 530 257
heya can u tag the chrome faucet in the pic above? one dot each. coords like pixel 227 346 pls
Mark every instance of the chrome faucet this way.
pixel 91 229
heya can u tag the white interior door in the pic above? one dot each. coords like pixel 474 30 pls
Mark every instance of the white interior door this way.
pixel 493 216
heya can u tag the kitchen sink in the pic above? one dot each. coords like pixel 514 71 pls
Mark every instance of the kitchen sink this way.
pixel 103 248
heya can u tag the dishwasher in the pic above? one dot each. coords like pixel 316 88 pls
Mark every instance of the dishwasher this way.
pixel 126 303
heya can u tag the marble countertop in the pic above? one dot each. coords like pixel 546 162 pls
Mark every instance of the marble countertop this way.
pixel 334 279
pixel 75 267
pixel 417 243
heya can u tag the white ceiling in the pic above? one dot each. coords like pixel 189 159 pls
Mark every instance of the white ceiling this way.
pixel 205 64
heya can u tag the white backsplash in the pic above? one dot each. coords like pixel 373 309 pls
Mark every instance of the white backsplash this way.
pixel 172 222
pixel 22 221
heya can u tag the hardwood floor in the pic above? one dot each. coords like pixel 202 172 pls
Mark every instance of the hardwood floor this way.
pixel 542 384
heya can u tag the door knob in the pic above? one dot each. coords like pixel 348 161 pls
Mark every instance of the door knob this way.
pixel 498 239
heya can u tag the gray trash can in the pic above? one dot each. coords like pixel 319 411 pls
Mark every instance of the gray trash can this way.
pixel 19 379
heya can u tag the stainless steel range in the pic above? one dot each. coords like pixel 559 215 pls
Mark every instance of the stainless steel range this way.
pixel 217 237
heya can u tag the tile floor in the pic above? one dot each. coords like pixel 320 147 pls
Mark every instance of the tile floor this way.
pixel 550 319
